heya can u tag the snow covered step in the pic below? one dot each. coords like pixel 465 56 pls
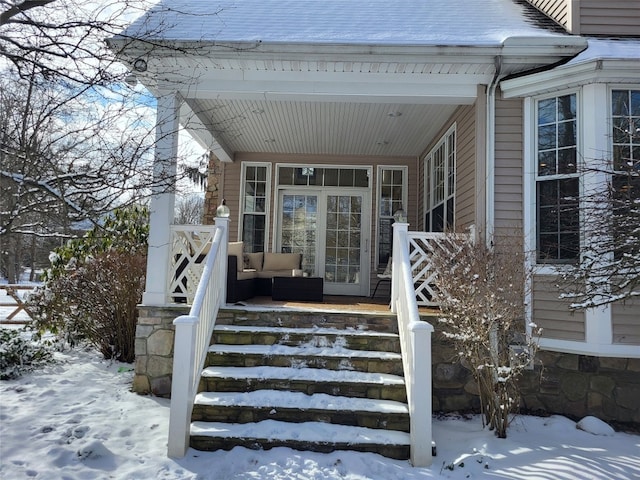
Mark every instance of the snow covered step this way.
pixel 313 436
pixel 333 357
pixel 298 407
pixel 356 339
pixel 308 380
pixel 381 322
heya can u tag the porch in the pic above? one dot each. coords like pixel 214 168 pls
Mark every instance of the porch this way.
pixel 175 337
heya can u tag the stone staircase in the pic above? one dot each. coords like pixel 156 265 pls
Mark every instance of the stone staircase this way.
pixel 304 380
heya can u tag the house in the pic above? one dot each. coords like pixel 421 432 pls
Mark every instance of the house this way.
pixel 325 118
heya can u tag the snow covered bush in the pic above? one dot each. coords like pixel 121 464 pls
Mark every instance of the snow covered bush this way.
pixel 481 298
pixel 91 291
pixel 19 354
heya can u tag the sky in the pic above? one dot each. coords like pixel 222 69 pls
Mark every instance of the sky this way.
pixel 77 419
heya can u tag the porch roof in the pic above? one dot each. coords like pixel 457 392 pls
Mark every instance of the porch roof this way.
pixel 333 77
pixel 371 22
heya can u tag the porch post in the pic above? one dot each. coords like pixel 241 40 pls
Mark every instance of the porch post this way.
pixel 162 199
pixel 395 262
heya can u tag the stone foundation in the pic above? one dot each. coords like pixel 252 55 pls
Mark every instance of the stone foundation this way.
pixel 561 383
pixel 154 349
pixel 567 384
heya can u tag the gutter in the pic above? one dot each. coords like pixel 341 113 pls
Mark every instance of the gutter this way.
pixel 490 154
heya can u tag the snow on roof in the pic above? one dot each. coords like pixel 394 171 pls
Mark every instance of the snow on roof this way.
pixel 377 22
pixel 608 49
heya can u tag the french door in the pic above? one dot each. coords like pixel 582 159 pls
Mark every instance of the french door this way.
pixel 331 228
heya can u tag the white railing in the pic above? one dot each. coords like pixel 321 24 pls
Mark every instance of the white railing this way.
pixel 415 340
pixel 192 338
pixel 189 247
pixel 422 246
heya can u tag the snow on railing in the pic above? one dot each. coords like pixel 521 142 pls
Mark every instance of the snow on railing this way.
pixel 189 247
pixel 192 338
pixel 415 340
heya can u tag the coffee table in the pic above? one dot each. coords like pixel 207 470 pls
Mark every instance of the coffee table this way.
pixel 297 288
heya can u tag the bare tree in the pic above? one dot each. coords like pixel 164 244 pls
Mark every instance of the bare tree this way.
pixel 189 209
pixel 609 267
pixel 481 298
pixel 75 139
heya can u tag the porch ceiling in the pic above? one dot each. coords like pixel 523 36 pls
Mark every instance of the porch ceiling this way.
pixel 325 128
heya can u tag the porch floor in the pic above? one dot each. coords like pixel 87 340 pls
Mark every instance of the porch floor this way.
pixel 332 303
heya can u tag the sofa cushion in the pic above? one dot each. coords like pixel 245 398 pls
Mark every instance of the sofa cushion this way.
pixel 253 261
pixel 281 261
pixel 273 273
pixel 235 249
pixel 246 274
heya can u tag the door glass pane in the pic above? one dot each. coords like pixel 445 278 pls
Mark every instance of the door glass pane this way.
pixel 299 219
pixel 343 239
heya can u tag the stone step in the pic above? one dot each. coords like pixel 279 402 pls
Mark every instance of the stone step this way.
pixel 356 339
pixel 329 357
pixel 308 319
pixel 307 380
pixel 297 407
pixel 308 436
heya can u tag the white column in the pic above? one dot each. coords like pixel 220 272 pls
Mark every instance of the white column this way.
pixel 162 200
pixel 598 321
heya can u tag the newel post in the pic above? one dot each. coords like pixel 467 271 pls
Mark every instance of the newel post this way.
pixel 420 406
pixel 223 223
pixel 399 239
pixel 181 385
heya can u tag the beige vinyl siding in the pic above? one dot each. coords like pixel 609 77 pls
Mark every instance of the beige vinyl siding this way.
pixel 626 322
pixel 558 10
pixel 610 17
pixel 508 167
pixel 553 314
pixel 465 205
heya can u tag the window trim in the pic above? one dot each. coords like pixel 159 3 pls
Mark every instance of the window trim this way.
pixel 537 178
pixel 241 202
pixel 405 196
pixel 428 176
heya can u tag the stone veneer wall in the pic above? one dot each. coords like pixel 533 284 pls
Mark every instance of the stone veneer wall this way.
pixel 154 349
pixel 562 383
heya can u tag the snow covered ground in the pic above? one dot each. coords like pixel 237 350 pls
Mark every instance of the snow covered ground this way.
pixel 77 419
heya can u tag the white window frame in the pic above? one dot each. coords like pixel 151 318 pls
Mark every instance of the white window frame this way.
pixel 594 141
pixel 448 193
pixel 267 211
pixel 378 215
pixel 542 178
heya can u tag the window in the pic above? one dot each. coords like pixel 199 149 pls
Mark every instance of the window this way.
pixel 255 187
pixel 392 188
pixel 625 184
pixel 327 177
pixel 557 182
pixel 625 110
pixel 439 184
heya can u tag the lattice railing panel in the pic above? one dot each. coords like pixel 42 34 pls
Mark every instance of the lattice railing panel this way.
pixel 189 247
pixel 422 246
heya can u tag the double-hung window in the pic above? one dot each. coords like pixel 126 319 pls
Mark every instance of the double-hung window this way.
pixel 557 180
pixel 625 122
pixel 440 184
pixel 392 196
pixel 254 201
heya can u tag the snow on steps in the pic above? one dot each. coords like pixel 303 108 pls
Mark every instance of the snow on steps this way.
pixel 314 436
pixel 308 388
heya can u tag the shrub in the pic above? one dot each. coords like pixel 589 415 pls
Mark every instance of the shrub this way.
pixel 481 297
pixel 94 285
pixel 19 355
